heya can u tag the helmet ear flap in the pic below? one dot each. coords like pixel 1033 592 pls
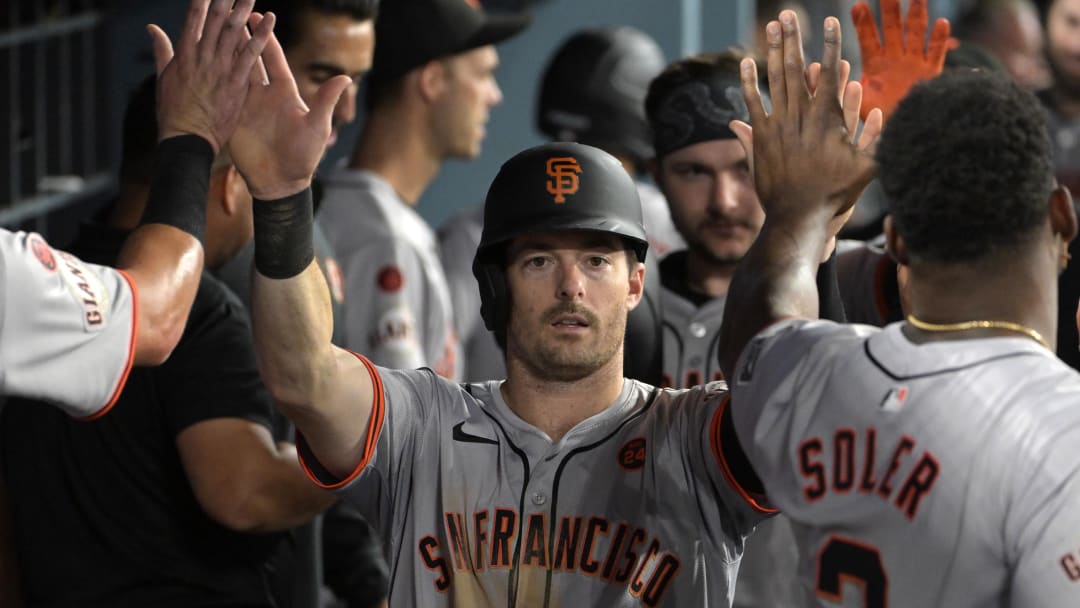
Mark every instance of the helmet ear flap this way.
pixel 494 299
pixel 491 279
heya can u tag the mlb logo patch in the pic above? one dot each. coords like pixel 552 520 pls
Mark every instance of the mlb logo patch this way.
pixel 894 399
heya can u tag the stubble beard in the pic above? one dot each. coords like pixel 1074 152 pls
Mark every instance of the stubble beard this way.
pixel 564 360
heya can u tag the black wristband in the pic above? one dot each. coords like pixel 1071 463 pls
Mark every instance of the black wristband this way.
pixel 181 184
pixel 283 227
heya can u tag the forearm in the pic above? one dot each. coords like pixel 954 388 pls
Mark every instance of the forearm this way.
pixel 165 264
pixel 292 325
pixel 776 279
pixel 325 391
pixel 164 255
pixel 284 497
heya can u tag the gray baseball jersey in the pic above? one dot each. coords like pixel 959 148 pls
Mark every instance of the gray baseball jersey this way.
pixel 634 506
pixel 397 303
pixel 458 239
pixel 691 339
pixel 68 327
pixel 941 474
pixel 691 328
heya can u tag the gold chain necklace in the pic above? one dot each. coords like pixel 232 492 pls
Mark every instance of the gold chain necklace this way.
pixel 1007 325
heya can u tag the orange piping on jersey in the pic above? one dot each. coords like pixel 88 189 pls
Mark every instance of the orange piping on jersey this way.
pixel 718 453
pixel 375 423
pixel 131 352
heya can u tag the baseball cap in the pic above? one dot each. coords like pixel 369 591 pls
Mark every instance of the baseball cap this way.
pixel 410 33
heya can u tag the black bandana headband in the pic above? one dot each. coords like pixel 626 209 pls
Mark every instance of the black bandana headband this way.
pixel 698 111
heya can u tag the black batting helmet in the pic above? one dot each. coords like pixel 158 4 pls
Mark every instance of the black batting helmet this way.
pixel 558 186
pixel 593 91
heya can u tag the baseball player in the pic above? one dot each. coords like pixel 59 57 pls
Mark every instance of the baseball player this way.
pixel 931 463
pixel 705 176
pixel 592 92
pixel 563 485
pixel 704 173
pixel 72 330
pixel 427 103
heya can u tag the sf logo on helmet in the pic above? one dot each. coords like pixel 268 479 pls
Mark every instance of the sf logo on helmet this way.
pixel 563 173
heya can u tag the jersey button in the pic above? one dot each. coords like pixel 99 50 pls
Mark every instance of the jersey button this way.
pixel 539 499
pixel 697 330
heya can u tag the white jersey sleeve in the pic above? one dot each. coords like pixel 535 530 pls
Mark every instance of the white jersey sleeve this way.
pixel 67 333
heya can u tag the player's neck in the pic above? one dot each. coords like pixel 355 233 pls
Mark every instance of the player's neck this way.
pixel 706 276
pixel 1015 291
pixel 555 407
pixel 400 155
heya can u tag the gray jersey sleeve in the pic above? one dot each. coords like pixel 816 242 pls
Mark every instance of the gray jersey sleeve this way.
pixel 1043 532
pixel 402 409
pixel 388 305
pixel 68 327
pixel 458 239
pixel 772 373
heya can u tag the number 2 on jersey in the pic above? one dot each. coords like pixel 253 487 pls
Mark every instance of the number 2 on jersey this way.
pixel 845 560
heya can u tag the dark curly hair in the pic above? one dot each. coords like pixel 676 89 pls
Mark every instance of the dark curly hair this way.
pixel 965 164
pixel 289 12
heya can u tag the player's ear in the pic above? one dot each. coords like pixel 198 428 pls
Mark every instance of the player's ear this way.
pixel 637 283
pixel 1063 214
pixel 894 243
pixel 430 79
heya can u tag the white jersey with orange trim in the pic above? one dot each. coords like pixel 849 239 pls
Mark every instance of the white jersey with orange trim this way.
pixel 634 506
pixel 67 330
pixel 940 474
pixel 397 303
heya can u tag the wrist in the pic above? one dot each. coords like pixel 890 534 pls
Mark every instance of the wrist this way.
pixel 181 184
pixel 283 235
pixel 271 191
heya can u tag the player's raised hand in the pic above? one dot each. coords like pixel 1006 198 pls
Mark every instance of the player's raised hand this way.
pixel 895 62
pixel 201 87
pixel 804 157
pixel 280 140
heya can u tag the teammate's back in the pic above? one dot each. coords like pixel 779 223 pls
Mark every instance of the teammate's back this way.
pixel 932 463
pixel 938 474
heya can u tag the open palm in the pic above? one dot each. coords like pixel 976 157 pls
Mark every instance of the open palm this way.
pixel 280 140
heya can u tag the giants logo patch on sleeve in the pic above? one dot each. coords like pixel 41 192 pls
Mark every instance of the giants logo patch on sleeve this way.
pixel 390 279
pixel 42 252
pixel 395 326
pixel 88 290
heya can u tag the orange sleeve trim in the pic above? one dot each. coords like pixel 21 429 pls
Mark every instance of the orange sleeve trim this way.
pixel 716 443
pixel 119 389
pixel 375 424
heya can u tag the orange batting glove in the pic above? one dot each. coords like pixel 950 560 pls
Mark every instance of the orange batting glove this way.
pixel 889 70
